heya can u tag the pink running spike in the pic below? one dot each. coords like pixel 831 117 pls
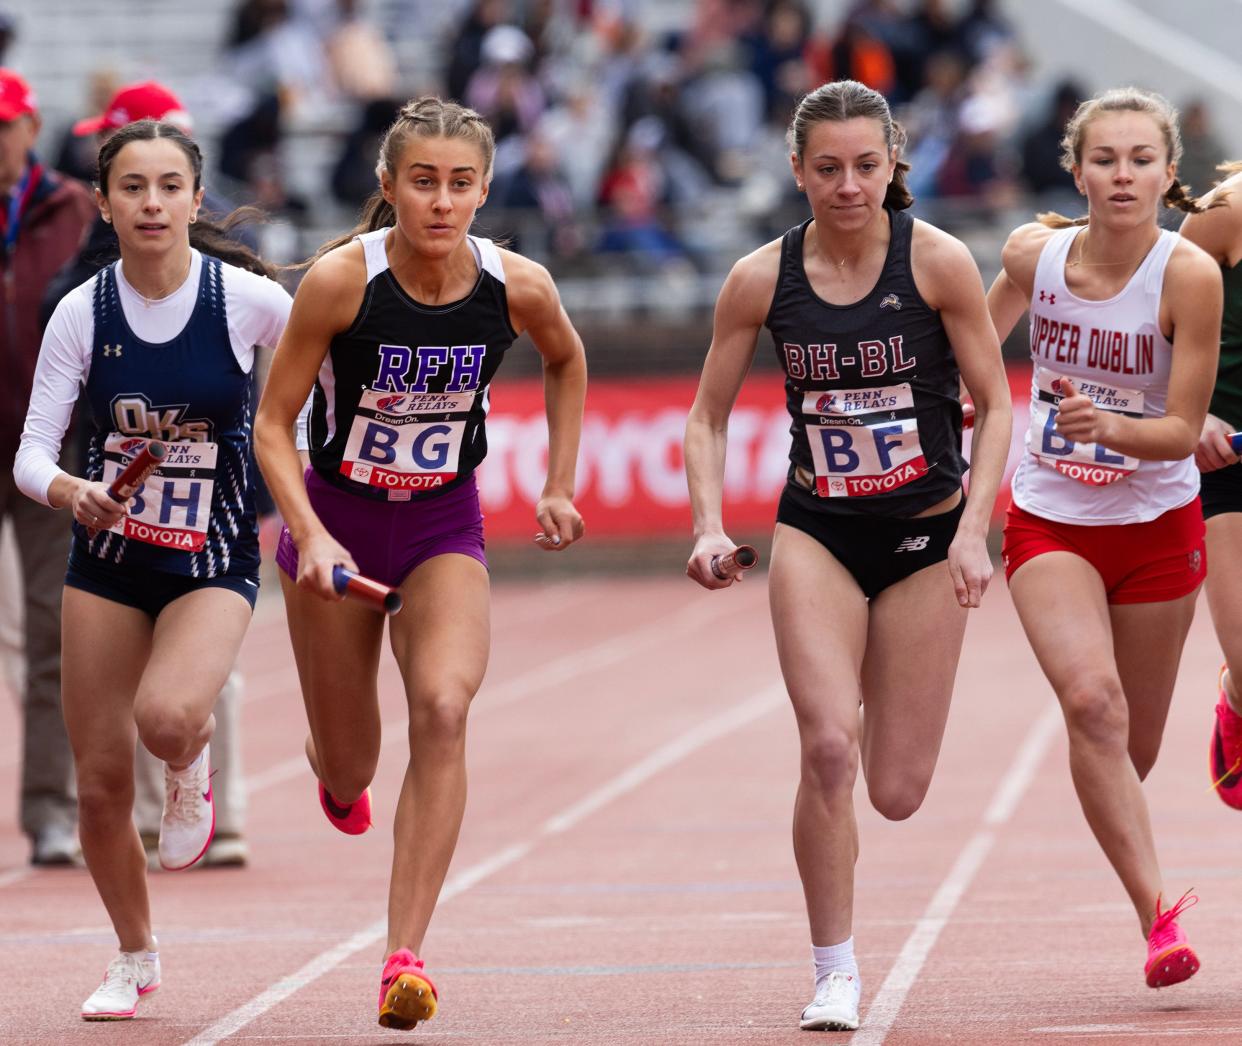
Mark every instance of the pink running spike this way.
pixel 406 994
pixel 1170 959
pixel 353 819
pixel 1225 751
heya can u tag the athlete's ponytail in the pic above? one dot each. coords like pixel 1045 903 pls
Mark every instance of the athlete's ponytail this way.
pixel 1126 100
pixel 426 117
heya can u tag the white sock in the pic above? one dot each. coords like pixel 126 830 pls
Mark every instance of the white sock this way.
pixel 836 958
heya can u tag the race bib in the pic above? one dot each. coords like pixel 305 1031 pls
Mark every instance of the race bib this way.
pixel 1089 463
pixel 863 441
pixel 407 441
pixel 172 508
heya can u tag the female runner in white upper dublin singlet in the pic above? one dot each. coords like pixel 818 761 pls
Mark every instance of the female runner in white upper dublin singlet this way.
pixel 1104 541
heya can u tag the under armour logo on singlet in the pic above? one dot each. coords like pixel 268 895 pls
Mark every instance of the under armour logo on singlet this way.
pixel 112 350
pixel 1050 298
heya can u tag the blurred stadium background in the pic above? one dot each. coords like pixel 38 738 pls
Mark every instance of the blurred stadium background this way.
pixel 640 153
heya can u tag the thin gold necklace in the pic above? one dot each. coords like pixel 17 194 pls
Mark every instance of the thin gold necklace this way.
pixel 1079 263
pixel 167 289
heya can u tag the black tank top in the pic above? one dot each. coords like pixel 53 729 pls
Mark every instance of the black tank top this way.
pixel 400 401
pixel 872 388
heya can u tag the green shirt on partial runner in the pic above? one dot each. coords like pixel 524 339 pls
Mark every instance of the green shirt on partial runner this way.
pixel 1227 396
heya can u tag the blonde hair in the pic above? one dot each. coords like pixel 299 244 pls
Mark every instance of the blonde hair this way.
pixel 844 100
pixel 1124 100
pixel 426 117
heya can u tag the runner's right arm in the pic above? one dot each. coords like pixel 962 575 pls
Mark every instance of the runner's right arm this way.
pixel 741 310
pixel 325 304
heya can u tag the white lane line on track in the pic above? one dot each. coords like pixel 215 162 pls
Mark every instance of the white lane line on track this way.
pixel 614 650
pixel 882 1013
pixel 14 875
pixel 679 748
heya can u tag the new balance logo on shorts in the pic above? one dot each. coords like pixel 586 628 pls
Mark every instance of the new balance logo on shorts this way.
pixel 916 544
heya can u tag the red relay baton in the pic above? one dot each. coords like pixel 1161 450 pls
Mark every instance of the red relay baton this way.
pixel 741 558
pixel 968 415
pixel 355 586
pixel 136 472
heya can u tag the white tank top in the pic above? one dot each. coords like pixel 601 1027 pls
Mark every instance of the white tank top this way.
pixel 1115 353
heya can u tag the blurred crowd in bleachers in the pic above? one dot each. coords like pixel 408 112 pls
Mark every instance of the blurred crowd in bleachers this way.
pixel 633 138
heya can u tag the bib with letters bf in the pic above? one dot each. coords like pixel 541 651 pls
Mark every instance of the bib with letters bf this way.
pixel 871 388
pixel 1114 353
pixel 401 399
pixel 195 514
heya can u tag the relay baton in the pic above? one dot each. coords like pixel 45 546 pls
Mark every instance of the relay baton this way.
pixel 135 473
pixel 968 415
pixel 741 558
pixel 381 597
pixel 1235 441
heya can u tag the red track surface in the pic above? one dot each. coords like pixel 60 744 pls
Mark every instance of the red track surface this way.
pixel 625 873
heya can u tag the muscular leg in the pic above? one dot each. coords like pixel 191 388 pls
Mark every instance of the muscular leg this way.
pixel 194 645
pixel 336 647
pixel 1147 643
pixel 1061 602
pixel 820 619
pixel 441 641
pixel 228 785
pixel 106 646
pixel 914 641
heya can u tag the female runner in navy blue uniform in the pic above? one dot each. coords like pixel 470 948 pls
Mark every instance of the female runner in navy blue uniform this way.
pixel 872 315
pixel 400 327
pixel 159 591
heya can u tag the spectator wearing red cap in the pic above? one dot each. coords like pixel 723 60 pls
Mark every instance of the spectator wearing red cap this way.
pixel 130 103
pixel 142 101
pixel 43 217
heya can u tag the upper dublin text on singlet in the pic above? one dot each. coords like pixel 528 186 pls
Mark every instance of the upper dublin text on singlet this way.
pixel 1116 354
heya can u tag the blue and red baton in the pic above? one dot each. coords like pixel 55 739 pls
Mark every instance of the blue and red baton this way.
pixel 355 586
pixel 732 563
pixel 136 472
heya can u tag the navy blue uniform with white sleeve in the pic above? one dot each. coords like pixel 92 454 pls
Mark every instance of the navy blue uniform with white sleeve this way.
pixel 195 515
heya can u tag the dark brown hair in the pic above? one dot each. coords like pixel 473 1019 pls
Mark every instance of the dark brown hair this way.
pixel 426 117
pixel 846 100
pixel 1124 100
pixel 206 236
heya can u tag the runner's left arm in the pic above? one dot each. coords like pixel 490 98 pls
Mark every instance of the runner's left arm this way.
pixel 536 308
pixel 955 287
